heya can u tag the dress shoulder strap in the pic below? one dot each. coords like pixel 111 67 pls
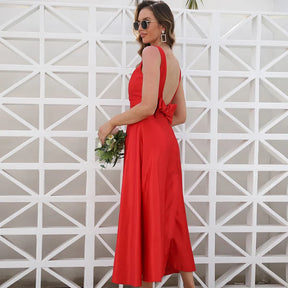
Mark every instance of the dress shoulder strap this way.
pixel 163 71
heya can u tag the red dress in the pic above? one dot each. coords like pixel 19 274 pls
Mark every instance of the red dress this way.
pixel 153 238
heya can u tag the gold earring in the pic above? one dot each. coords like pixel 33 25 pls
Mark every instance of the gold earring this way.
pixel 163 37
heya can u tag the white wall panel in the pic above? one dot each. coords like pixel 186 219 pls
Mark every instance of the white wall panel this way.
pixel 64 70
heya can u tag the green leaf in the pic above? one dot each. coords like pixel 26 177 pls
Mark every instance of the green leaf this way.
pixel 192 4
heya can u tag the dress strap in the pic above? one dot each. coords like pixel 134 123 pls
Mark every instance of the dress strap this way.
pixel 177 87
pixel 163 72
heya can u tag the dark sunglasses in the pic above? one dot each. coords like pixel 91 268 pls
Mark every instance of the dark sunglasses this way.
pixel 144 24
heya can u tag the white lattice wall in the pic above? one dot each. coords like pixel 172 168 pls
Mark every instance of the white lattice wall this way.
pixel 64 69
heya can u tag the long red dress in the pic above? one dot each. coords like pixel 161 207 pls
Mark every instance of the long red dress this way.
pixel 153 238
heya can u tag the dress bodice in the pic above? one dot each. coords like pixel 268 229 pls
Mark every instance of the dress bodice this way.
pixel 135 89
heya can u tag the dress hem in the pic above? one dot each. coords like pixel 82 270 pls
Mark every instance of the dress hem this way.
pixel 158 280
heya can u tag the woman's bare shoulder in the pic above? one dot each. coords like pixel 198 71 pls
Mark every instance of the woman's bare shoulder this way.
pixel 151 57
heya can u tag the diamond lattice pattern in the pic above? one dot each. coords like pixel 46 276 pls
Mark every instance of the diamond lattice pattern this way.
pixel 64 70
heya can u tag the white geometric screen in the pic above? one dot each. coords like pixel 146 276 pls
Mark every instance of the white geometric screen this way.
pixel 64 70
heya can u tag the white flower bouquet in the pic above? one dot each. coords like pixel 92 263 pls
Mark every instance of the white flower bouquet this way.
pixel 112 149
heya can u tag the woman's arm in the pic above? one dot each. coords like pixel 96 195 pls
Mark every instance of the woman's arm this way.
pixel 179 116
pixel 151 76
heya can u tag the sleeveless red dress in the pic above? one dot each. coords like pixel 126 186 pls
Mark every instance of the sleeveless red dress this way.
pixel 153 238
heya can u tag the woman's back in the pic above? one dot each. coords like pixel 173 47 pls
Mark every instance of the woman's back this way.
pixel 172 76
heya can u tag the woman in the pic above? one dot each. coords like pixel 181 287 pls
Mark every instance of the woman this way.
pixel 153 238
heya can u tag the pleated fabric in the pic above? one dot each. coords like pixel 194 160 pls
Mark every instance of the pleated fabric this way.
pixel 153 238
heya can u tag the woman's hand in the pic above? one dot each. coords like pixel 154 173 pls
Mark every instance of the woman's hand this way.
pixel 105 130
pixel 114 131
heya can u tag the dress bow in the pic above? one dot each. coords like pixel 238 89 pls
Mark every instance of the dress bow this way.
pixel 168 110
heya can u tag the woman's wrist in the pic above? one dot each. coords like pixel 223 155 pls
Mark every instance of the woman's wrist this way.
pixel 112 124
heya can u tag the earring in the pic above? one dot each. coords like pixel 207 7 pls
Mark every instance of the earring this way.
pixel 163 37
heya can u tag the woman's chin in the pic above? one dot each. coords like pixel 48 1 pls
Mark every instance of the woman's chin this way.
pixel 144 41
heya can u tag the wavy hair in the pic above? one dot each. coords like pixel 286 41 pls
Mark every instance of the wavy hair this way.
pixel 164 16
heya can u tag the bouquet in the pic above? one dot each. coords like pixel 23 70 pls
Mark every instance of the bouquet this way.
pixel 112 149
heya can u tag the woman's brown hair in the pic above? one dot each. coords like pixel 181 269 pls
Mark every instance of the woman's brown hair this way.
pixel 164 16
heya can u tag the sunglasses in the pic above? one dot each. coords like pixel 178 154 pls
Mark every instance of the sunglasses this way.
pixel 144 24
